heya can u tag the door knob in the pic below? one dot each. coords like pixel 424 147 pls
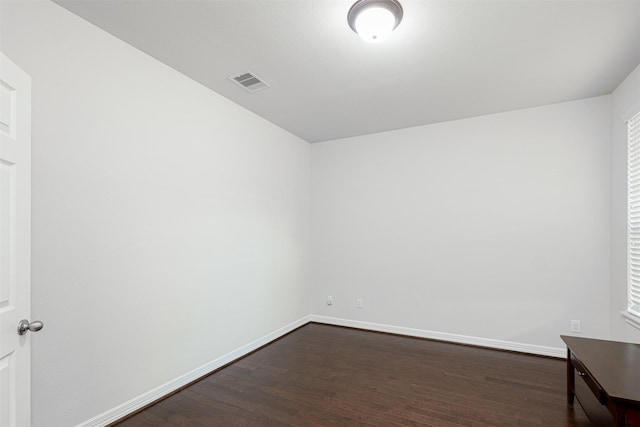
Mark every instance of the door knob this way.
pixel 24 326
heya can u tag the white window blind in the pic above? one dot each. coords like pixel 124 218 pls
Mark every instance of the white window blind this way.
pixel 633 212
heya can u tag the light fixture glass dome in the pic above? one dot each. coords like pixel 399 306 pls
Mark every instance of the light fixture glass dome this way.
pixel 374 20
pixel 375 24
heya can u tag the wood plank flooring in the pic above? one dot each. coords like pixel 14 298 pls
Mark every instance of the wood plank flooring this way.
pixel 323 375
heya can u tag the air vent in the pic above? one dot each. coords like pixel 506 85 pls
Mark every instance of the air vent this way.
pixel 249 81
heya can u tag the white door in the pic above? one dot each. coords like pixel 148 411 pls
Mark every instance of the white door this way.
pixel 15 244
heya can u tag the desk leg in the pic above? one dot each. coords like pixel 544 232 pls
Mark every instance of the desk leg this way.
pixel 619 417
pixel 571 379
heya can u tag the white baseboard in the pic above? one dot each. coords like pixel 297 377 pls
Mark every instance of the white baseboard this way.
pixel 443 336
pixel 139 402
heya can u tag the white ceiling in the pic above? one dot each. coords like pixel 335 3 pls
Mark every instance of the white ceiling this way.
pixel 447 60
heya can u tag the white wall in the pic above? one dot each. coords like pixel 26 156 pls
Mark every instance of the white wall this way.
pixel 494 227
pixel 170 226
pixel 624 99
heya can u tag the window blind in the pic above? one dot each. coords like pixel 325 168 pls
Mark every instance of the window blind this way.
pixel 633 212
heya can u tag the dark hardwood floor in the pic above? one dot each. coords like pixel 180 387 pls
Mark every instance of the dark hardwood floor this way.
pixel 324 375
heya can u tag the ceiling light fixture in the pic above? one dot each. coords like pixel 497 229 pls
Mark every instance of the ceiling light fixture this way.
pixel 374 20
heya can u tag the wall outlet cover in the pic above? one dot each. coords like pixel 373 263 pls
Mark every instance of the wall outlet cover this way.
pixel 575 326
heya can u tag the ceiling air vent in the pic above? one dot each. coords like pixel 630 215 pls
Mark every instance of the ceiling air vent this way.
pixel 249 81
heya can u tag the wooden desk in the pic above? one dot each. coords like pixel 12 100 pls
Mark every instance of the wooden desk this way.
pixel 611 370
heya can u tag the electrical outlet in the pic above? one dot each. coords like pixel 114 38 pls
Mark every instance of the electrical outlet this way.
pixel 359 303
pixel 575 326
pixel 329 300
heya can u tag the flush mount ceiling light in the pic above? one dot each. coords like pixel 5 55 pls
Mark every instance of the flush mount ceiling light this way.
pixel 374 20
